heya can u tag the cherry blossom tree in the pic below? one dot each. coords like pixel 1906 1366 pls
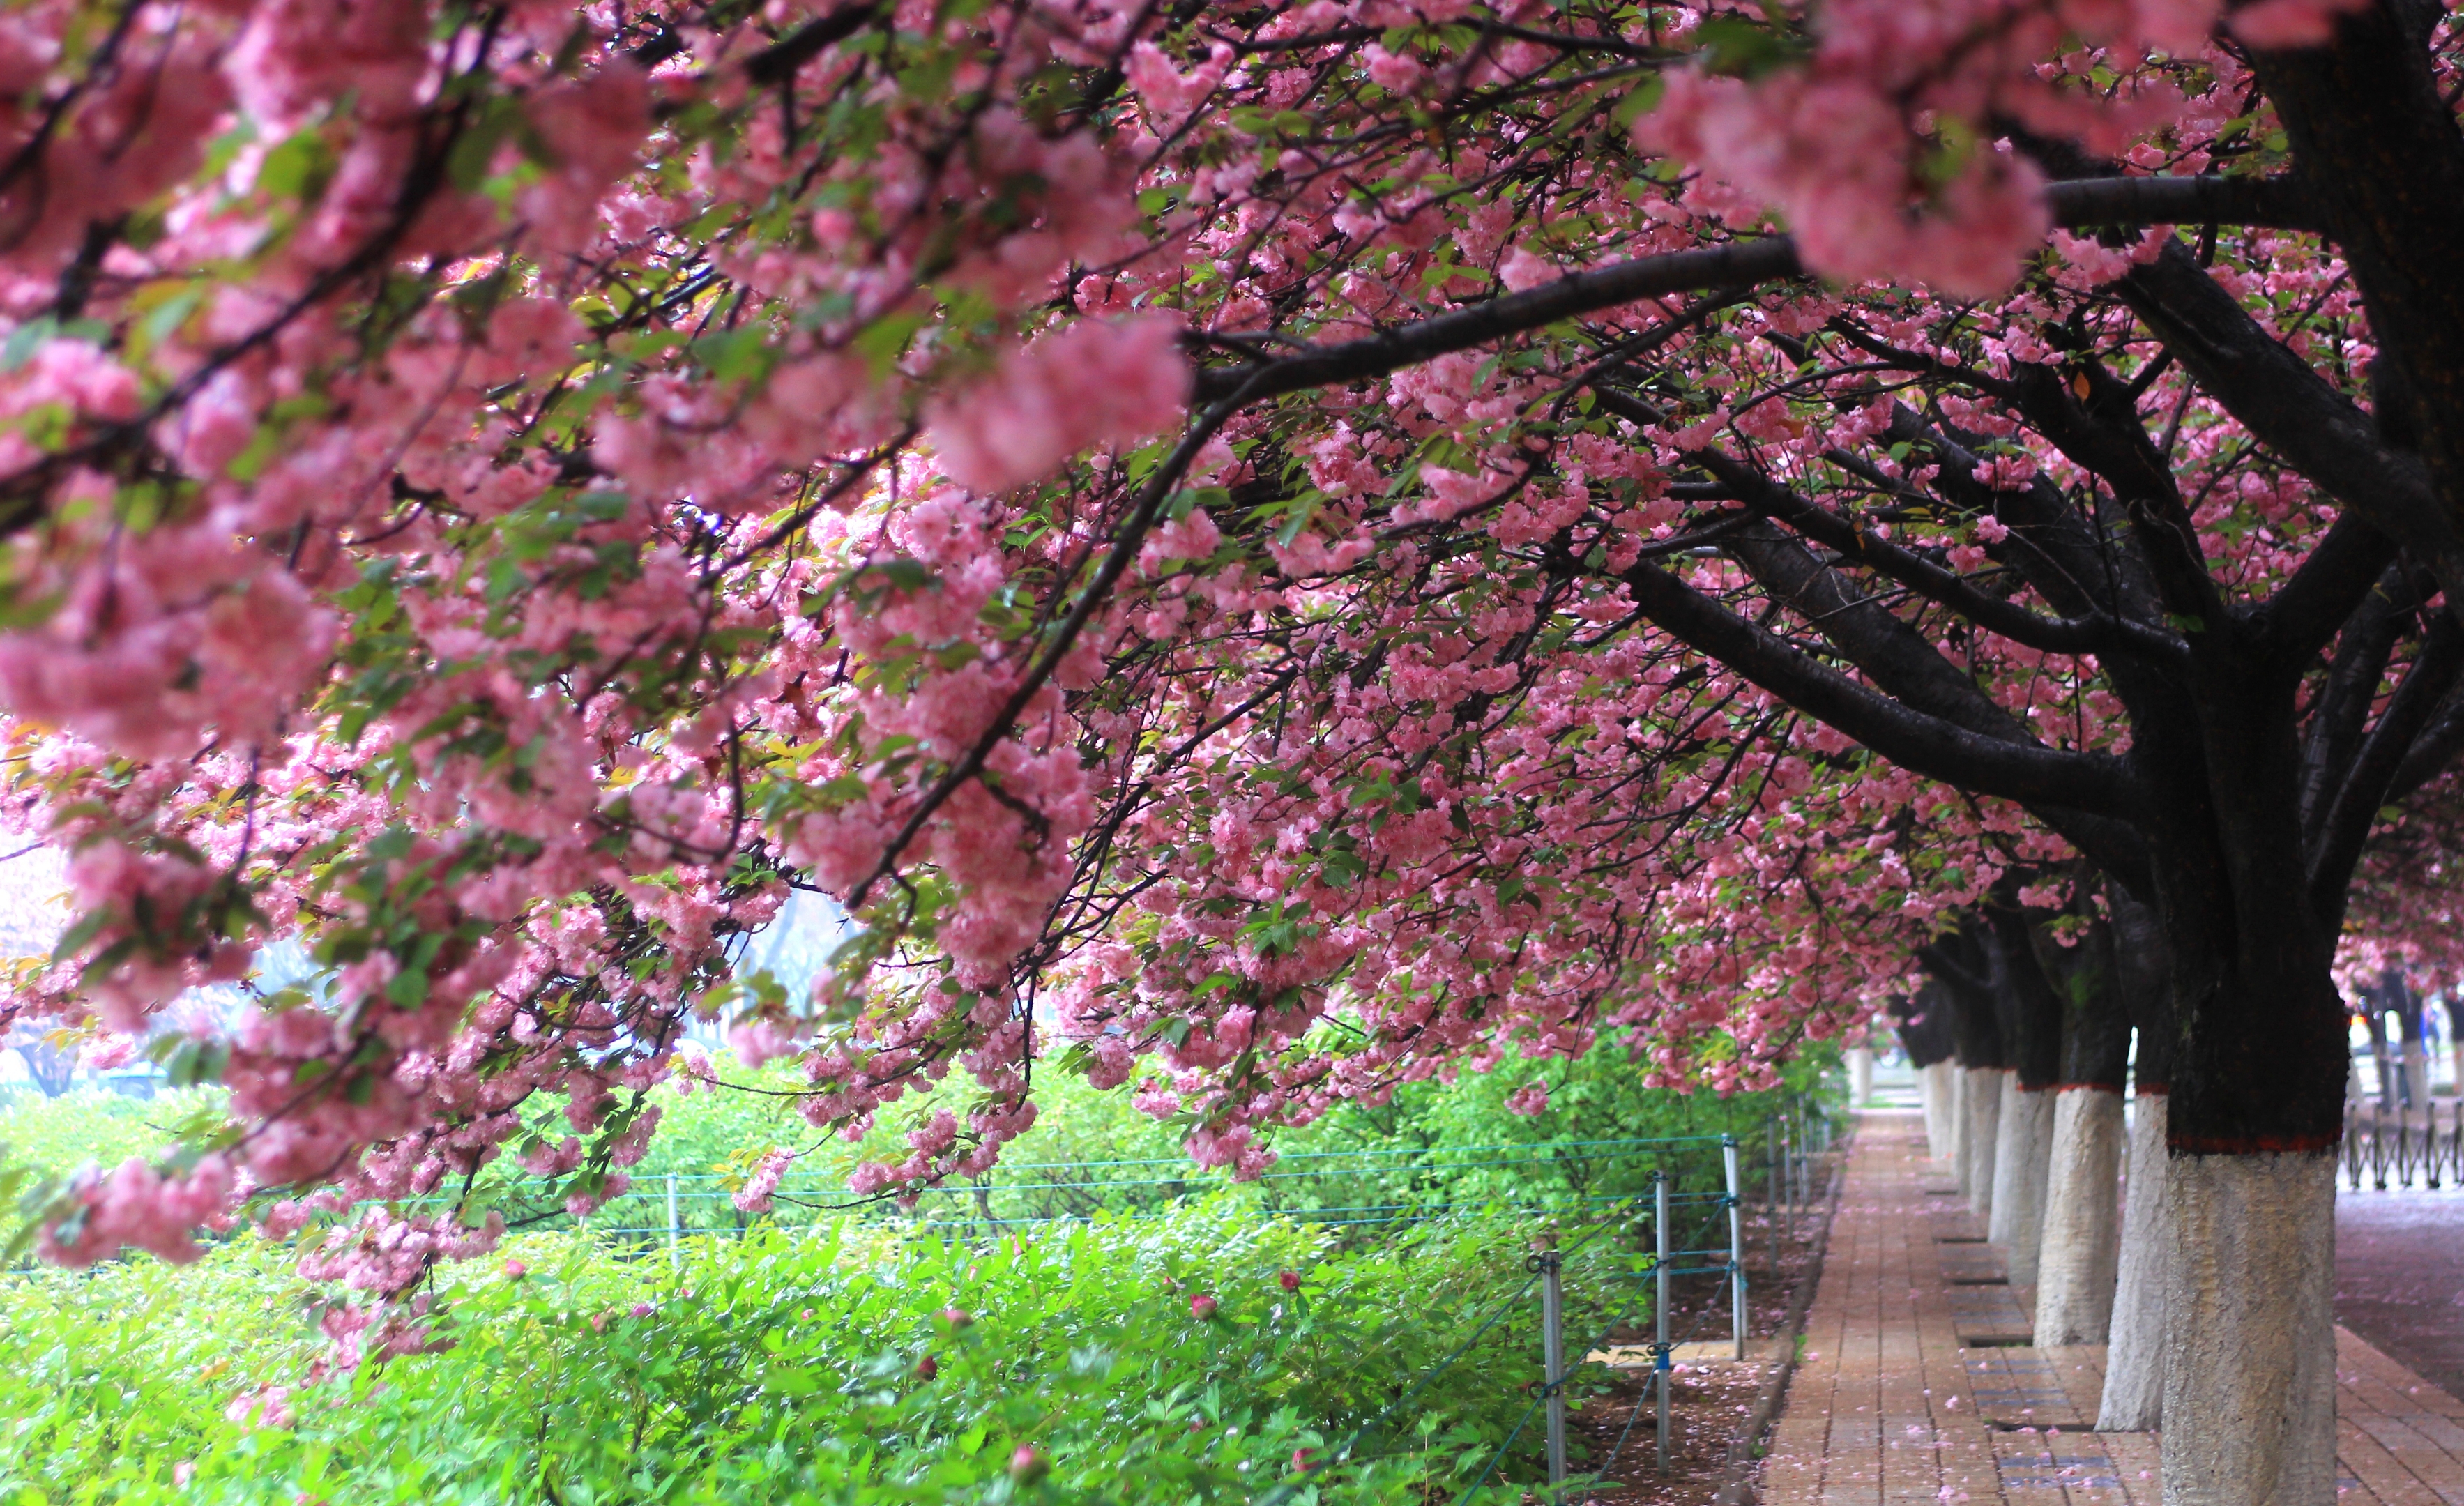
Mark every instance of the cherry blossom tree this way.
pixel 1258 551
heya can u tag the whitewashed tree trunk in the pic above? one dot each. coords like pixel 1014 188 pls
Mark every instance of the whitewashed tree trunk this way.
pixel 2082 1246
pixel 1955 1117
pixel 2417 1073
pixel 1977 1157
pixel 2249 1396
pixel 1860 1075
pixel 2022 1161
pixel 2134 1360
pixel 1934 1091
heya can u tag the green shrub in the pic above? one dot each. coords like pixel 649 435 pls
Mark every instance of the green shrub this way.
pixel 56 1135
pixel 781 1367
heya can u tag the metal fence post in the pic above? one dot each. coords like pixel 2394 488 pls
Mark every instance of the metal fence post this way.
pixel 675 1252
pixel 1736 1244
pixel 1787 1168
pixel 1553 1355
pixel 1799 1185
pixel 1659 1369
pixel 1770 1190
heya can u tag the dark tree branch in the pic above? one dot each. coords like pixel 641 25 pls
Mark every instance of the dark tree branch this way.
pixel 2037 776
pixel 1904 663
pixel 2379 148
pixel 2103 435
pixel 1939 962
pixel 2310 607
pixel 2292 409
pixel 2365 789
pixel 2432 753
pixel 778 63
pixel 1741 265
pixel 2124 203
pixel 2101 201
pixel 2050 545
pixel 2096 633
pixel 2341 714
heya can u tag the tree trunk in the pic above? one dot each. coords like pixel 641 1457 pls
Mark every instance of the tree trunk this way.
pixel 2381 1062
pixel 2134 1356
pixel 2081 1243
pixel 1960 963
pixel 1860 1075
pixel 2255 1112
pixel 53 1069
pixel 1984 1086
pixel 2031 1014
pixel 1925 1031
pixel 2411 1054
pixel 2078 1260
pixel 2250 1399
pixel 2022 1163
pixel 1954 1117
pixel 1935 1091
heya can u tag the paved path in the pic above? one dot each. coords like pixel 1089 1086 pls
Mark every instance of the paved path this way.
pixel 2399 1278
pixel 1917 1387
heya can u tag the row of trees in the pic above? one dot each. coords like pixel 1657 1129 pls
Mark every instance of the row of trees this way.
pixel 1261 552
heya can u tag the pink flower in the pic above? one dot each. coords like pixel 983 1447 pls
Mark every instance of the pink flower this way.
pixel 957 1317
pixel 1290 1280
pixel 1520 270
pixel 515 1269
pixel 754 1197
pixel 1094 383
pixel 1202 1307
pixel 927 1368
pixel 1027 1466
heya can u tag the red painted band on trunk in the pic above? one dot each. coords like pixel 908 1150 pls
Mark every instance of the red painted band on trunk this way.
pixel 2113 1088
pixel 2253 1145
pixel 2154 1090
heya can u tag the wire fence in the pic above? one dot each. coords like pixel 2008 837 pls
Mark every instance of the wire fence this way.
pixel 2406 1144
pixel 1681 1246
pixel 1361 1188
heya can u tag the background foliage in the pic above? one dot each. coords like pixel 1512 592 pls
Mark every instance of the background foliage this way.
pixel 783 1364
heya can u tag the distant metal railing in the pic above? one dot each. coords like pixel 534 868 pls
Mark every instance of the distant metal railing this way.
pixel 2408 1144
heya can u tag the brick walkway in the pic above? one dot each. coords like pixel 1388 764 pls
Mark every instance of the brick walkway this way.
pixel 2398 1283
pixel 1917 1385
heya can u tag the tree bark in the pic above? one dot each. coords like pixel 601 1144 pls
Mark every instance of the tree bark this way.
pixel 2022 1163
pixel 1935 1089
pixel 1955 1119
pixel 2404 1063
pixel 2249 1396
pixel 2078 1261
pixel 2135 1352
pixel 1923 1025
pixel 2134 1358
pixel 2032 1015
pixel 1860 1075
pixel 1985 1089
pixel 2081 1250
pixel 1962 966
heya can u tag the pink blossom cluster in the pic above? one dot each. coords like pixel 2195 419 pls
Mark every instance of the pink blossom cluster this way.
pixel 507 566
